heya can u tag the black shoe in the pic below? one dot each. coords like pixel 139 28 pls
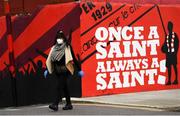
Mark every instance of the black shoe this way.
pixel 175 82
pixel 53 107
pixel 68 107
pixel 168 83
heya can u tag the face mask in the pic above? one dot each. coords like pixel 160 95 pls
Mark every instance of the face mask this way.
pixel 59 41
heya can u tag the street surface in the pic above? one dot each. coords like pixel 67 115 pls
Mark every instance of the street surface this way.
pixel 85 109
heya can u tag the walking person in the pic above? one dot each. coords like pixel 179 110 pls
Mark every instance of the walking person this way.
pixel 59 62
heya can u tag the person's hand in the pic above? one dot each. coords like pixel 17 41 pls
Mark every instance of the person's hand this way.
pixel 45 73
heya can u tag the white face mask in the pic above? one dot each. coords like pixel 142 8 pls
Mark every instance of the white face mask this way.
pixel 59 41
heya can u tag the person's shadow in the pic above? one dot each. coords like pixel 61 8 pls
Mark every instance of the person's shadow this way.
pixel 170 48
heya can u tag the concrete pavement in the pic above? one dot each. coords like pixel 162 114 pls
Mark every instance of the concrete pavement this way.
pixel 165 102
pixel 85 109
pixel 164 99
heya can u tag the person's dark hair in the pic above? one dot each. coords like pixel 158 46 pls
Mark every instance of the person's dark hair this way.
pixel 60 34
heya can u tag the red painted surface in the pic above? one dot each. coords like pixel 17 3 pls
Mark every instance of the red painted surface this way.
pixel 20 6
pixel 39 33
pixel 139 1
pixel 151 18
pixel 41 27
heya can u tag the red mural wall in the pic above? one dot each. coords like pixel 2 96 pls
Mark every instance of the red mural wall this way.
pixel 22 6
pixel 23 56
pixel 34 32
pixel 122 47
pixel 139 1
